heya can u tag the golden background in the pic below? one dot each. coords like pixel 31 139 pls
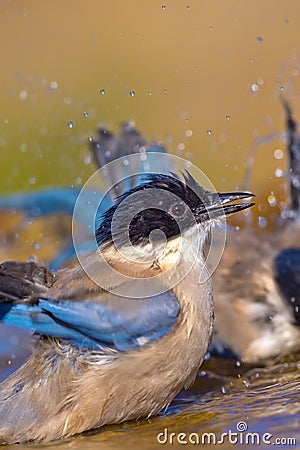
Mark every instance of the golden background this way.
pixel 194 66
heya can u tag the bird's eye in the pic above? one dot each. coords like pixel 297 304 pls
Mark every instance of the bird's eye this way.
pixel 178 209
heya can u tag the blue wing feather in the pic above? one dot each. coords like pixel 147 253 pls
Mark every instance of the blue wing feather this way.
pixel 117 323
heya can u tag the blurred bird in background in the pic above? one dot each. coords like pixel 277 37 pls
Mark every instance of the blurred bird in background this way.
pixel 257 284
pixel 100 357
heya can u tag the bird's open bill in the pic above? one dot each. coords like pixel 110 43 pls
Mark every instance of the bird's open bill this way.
pixel 224 205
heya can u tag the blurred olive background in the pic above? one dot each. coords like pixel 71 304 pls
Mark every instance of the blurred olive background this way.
pixel 202 76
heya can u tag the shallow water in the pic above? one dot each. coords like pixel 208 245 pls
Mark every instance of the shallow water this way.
pixel 258 405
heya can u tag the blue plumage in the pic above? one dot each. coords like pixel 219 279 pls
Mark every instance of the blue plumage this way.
pixel 41 203
pixel 118 323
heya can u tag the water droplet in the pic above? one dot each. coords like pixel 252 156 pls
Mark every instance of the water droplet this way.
pixel 259 39
pixel 53 85
pixel 281 88
pixel 90 139
pixel 132 93
pixel 278 173
pixel 238 363
pixel 209 132
pixel 251 60
pixel 149 93
pixel 102 91
pixel 23 95
pixel 295 181
pixel 262 221
pixel 260 81
pixel 188 7
pixel 278 153
pixel 223 390
pixel 126 162
pixel 87 160
pixel 165 91
pixel 207 356
pixel 211 28
pixel 227 117
pixel 9 362
pixel 254 87
pixel 67 101
pixel 70 124
pixel 32 180
pixel 85 115
pixel 78 180
pixel 188 133
pixel 36 246
pixel 286 214
pixel 181 146
pixel 163 7
pixel 272 200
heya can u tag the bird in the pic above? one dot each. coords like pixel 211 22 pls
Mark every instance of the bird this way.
pixel 120 333
pixel 257 283
pixel 256 296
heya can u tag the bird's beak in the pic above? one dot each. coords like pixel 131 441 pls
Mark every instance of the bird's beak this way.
pixel 230 197
pixel 224 204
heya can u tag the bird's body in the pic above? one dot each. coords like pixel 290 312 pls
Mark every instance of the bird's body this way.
pixel 102 357
pixel 69 389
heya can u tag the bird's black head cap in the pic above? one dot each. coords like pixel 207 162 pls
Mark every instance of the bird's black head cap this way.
pixel 165 203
